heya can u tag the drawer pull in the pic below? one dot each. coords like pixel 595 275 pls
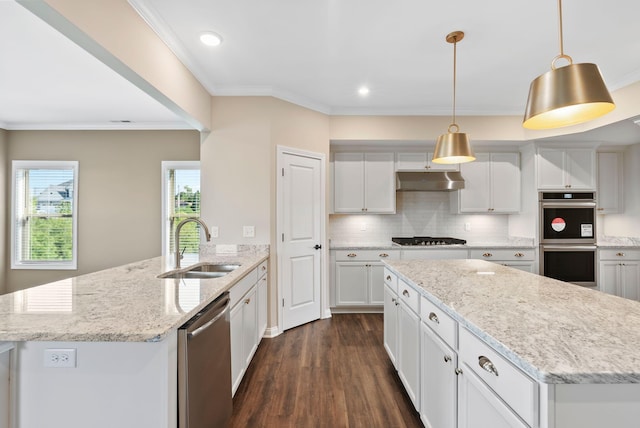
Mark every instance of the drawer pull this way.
pixel 264 268
pixel 388 277
pixel 405 293
pixel 620 254
pixel 519 255
pixel 447 358
pixel 383 255
pixel 246 302
pixel 433 317
pixel 600 209
pixel 487 255
pixel 351 255
pixel 487 365
pixel 458 371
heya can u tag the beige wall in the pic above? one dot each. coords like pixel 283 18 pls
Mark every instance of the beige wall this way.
pixel 3 212
pixel 119 191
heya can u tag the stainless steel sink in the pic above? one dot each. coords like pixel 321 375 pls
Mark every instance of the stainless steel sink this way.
pixel 201 271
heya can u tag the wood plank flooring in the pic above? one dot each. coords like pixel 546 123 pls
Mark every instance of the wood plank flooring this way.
pixel 328 373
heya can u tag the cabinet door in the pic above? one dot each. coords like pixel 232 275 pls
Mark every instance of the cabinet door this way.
pixel 409 352
pixel 411 162
pixel 608 277
pixel 476 195
pixel 505 182
pixel 249 325
pixel 479 407
pixel 379 183
pixel 581 169
pixel 438 385
pixel 609 183
pixel 238 363
pixel 630 280
pixel 348 183
pixel 550 168
pixel 376 283
pixel 262 307
pixel 391 325
pixel 5 389
pixel 351 284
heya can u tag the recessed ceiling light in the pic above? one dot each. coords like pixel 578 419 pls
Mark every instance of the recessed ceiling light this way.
pixel 363 91
pixel 210 38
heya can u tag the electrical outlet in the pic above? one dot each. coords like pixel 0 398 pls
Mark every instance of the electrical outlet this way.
pixel 60 358
pixel 363 226
pixel 215 231
pixel 467 227
pixel 248 231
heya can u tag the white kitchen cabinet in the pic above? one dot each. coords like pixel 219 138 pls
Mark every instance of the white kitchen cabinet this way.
pixel 391 324
pixel 610 182
pixel 262 298
pixel 7 397
pixel 619 272
pixel 438 380
pixel 492 185
pixel 517 258
pixel 409 341
pixel 364 183
pixel 421 161
pixel 434 254
pixel 562 169
pixel 359 277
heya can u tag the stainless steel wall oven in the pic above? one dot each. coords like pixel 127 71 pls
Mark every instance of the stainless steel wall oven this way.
pixel 568 237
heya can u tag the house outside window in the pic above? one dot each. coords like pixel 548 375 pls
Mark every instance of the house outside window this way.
pixel 44 215
pixel 180 200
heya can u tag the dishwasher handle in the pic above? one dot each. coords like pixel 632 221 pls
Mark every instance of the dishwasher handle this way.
pixel 208 324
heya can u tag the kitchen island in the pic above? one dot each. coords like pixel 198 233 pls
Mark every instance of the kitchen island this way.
pixel 534 351
pixel 121 324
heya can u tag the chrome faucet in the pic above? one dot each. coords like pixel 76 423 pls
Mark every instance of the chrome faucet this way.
pixel 177 236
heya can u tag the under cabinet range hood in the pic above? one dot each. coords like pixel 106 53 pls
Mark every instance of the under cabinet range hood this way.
pixel 429 181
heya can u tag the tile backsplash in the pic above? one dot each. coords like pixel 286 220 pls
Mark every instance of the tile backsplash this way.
pixel 418 214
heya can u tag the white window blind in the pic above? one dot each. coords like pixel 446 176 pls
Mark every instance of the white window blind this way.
pixel 181 199
pixel 44 214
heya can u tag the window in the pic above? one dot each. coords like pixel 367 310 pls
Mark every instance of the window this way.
pixel 181 199
pixel 44 215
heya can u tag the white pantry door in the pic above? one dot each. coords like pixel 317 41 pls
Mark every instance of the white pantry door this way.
pixel 301 238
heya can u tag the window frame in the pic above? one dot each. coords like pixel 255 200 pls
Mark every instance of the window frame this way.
pixel 166 166
pixel 44 264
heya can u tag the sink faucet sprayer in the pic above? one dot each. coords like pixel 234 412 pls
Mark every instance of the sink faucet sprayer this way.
pixel 177 236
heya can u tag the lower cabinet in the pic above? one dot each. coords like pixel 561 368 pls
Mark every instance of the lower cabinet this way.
pixel 619 272
pixel 6 385
pixel 248 321
pixel 391 324
pixel 409 344
pixel 517 258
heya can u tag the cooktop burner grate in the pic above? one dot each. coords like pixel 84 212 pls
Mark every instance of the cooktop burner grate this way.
pixel 428 240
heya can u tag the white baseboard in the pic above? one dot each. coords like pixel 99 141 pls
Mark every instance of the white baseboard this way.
pixel 272 332
pixel 357 310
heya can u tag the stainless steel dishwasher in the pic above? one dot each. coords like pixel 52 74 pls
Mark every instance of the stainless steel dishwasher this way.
pixel 204 368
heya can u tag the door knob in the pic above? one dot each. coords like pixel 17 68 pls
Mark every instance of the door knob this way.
pixel 317 246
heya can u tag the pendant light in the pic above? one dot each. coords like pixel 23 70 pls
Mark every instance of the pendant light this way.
pixel 454 146
pixel 567 95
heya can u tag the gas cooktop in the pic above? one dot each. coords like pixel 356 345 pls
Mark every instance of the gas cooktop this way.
pixel 428 240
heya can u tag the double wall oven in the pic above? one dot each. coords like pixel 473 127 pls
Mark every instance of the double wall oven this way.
pixel 568 236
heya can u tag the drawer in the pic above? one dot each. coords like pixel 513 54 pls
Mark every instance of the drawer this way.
pixel 366 255
pixel 504 254
pixel 240 288
pixel 515 388
pixel 263 268
pixel 409 295
pixel 619 254
pixel 391 280
pixel 441 323
pixel 434 254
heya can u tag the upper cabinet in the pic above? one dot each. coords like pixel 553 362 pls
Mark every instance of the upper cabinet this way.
pixel 421 162
pixel 562 169
pixel 610 179
pixel 364 183
pixel 491 185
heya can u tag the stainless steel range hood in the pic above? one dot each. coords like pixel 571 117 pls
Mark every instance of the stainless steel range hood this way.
pixel 429 181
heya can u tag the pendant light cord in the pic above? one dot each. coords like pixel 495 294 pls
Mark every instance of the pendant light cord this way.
pixel 560 27
pixel 455 44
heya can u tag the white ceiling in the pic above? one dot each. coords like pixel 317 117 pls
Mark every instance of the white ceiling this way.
pixel 317 53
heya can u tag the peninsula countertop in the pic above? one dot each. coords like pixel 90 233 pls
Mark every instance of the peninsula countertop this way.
pixel 554 331
pixel 123 304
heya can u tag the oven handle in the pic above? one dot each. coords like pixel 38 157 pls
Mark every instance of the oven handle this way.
pixel 568 204
pixel 569 247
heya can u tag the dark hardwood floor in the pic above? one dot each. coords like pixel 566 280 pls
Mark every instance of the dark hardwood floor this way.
pixel 328 373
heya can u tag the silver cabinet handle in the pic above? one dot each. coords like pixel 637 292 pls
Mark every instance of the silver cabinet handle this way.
pixel 447 358
pixel 487 255
pixel 487 365
pixel 388 277
pixel 383 255
pixel 246 302
pixel 351 255
pixel 519 255
pixel 433 317
pixel 405 293
pixel 620 254
pixel 458 371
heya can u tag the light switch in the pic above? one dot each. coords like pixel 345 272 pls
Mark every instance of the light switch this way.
pixel 215 232
pixel 248 231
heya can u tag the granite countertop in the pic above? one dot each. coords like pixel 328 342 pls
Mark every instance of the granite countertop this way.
pixel 618 242
pixel 123 304
pixel 555 331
